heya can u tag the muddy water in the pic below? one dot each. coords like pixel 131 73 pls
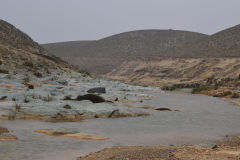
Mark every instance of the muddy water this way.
pixel 202 119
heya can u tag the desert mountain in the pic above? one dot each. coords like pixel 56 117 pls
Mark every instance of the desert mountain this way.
pixel 103 55
pixel 158 57
pixel 19 52
pixel 225 43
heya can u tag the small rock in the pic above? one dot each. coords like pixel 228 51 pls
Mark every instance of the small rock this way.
pixel 91 97
pixel 31 87
pixel 62 82
pixel 66 98
pixel 67 107
pixel 97 90
pixel 3 98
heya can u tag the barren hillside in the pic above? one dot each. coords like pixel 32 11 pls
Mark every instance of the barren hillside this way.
pixel 159 57
pixel 103 55
pixel 18 52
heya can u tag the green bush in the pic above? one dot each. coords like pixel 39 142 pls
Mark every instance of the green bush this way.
pixel 199 89
pixel 203 88
pixel 219 83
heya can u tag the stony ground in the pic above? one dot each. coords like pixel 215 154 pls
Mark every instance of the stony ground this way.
pixel 66 97
pixel 228 149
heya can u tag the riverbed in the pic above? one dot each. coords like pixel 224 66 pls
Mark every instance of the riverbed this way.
pixel 199 119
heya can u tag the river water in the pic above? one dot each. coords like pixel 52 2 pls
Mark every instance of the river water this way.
pixel 201 119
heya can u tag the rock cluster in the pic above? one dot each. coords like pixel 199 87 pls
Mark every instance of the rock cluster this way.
pixel 66 97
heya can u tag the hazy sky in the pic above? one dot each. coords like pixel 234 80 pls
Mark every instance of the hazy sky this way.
pixel 64 20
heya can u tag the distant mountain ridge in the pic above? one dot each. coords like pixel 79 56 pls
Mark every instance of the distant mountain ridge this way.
pixel 101 56
pixel 158 57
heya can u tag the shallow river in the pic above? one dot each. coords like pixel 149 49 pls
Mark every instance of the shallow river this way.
pixel 202 119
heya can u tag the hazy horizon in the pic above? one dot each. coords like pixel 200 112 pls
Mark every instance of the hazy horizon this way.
pixel 49 21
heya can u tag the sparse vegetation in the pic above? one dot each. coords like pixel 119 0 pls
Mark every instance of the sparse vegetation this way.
pixel 48 99
pixel 28 64
pixel 4 71
pixel 199 89
pixel 38 74
pixel 86 72
pixel 17 106
pixel 67 107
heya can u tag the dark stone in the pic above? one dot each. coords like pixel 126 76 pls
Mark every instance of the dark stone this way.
pixel 97 90
pixel 91 97
pixel 31 87
pixel 67 107
pixel 67 98
pixel 235 95
pixel 114 113
pixel 3 98
pixel 38 74
pixel 116 99
pixel 163 109
pixel 215 147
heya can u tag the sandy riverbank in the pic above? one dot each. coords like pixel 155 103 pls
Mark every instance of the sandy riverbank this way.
pixel 229 148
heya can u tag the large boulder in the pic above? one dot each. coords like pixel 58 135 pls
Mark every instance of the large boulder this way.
pixel 91 97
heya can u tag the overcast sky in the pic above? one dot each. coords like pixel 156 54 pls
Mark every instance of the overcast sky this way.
pixel 66 20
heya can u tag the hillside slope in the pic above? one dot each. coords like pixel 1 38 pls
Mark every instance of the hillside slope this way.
pixel 18 52
pixel 162 57
pixel 103 55
pixel 225 43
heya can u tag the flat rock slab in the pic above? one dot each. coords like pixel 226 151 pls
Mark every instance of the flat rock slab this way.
pixel 8 137
pixel 71 134
pixel 5 135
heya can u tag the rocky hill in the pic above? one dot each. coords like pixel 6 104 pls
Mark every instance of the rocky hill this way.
pixel 225 43
pixel 103 55
pixel 159 57
pixel 19 53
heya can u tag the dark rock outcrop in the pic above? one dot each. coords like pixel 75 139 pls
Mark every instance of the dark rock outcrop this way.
pixel 97 90
pixel 91 97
